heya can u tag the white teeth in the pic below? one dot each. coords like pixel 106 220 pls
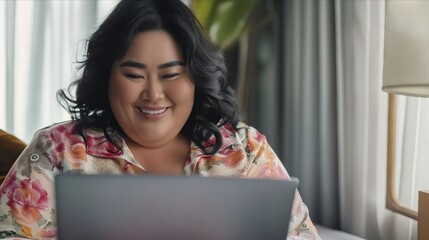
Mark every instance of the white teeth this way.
pixel 152 112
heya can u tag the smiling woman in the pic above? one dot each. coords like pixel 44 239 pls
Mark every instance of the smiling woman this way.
pixel 152 98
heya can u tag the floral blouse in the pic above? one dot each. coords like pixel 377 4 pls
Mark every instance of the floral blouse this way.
pixel 27 204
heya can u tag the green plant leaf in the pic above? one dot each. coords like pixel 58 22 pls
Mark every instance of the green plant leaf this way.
pixel 203 10
pixel 224 20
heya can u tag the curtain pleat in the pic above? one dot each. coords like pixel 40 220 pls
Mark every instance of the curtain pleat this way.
pixel 9 36
pixel 43 41
pixel 328 170
pixel 362 116
pixel 309 101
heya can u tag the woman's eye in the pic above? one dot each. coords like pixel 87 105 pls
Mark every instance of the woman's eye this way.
pixel 171 75
pixel 134 76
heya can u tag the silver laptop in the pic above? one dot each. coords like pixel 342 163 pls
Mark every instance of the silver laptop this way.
pixel 112 207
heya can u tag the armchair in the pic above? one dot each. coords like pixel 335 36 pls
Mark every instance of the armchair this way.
pixel 10 148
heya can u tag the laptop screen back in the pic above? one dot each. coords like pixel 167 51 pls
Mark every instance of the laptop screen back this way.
pixel 172 207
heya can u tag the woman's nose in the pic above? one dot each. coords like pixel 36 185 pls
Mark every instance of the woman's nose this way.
pixel 153 90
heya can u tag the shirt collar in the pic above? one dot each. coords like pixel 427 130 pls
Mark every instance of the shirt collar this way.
pixel 98 145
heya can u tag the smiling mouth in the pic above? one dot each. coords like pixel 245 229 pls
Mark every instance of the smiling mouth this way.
pixel 152 112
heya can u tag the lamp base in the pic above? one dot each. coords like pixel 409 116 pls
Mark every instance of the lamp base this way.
pixel 423 222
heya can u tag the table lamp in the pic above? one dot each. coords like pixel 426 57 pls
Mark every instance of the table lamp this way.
pixel 406 72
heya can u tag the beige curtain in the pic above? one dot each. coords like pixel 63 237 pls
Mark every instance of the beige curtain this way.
pixel 412 159
pixel 40 42
pixel 310 105
pixel 336 119
pixel 362 116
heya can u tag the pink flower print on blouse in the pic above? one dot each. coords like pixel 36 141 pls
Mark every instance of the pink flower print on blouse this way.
pixel 8 183
pixel 269 166
pixel 99 146
pixel 68 146
pixel 75 154
pixel 271 170
pixel 26 200
pixel 228 156
pixel 50 233
pixel 228 136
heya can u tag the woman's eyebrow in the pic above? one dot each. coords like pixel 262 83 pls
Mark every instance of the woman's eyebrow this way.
pixel 171 64
pixel 133 64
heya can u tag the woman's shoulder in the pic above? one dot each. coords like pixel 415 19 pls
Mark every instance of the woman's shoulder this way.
pixel 72 130
pixel 71 125
pixel 59 132
pixel 242 130
pixel 69 136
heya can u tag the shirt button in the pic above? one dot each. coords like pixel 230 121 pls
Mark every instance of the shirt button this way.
pixel 304 225
pixel 34 157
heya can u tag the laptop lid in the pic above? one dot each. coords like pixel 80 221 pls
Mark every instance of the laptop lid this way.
pixel 172 207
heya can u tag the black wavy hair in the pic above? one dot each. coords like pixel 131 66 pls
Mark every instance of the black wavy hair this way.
pixel 214 104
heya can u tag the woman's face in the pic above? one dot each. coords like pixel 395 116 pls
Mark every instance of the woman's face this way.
pixel 150 91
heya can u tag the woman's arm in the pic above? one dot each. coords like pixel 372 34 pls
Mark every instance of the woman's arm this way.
pixel 264 163
pixel 27 193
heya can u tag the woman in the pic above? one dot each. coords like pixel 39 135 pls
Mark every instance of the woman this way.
pixel 153 98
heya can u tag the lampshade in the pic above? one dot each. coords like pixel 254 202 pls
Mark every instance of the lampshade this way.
pixel 406 49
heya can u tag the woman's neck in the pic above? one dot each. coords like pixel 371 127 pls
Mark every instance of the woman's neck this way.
pixel 167 159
